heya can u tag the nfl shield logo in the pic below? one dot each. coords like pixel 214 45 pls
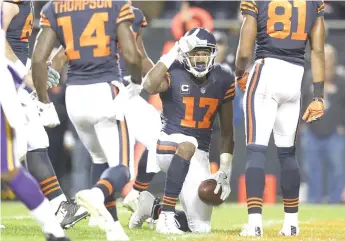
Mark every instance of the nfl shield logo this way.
pixel 203 90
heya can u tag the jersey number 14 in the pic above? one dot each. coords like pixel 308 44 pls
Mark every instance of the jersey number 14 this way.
pixel 93 35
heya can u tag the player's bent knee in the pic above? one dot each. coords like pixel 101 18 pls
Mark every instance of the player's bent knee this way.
pixel 118 175
pixel 186 150
pixel 256 156
pixel 287 158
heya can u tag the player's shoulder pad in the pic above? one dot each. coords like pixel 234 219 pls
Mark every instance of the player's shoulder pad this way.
pixel 224 73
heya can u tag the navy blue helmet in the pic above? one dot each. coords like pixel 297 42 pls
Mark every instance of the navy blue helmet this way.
pixel 200 60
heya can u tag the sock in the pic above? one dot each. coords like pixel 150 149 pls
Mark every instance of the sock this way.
pixel 109 202
pixel 290 179
pixel 40 167
pixel 255 178
pixel 143 178
pixel 113 178
pixel 176 175
pixel 26 189
pixel 47 220
pixel 255 219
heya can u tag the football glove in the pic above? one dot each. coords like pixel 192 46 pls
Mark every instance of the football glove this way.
pixel 314 111
pixel 222 182
pixel 242 81
pixel 53 77
pixel 48 115
pixel 188 43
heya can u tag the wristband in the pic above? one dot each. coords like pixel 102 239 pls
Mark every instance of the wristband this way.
pixel 319 89
pixel 169 58
pixel 225 162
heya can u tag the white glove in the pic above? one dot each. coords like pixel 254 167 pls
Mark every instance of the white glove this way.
pixel 48 115
pixel 53 77
pixel 188 43
pixel 222 182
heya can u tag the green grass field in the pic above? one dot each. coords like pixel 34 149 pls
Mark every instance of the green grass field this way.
pixel 317 223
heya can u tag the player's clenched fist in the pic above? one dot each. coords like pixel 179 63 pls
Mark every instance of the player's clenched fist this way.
pixel 314 111
pixel 242 81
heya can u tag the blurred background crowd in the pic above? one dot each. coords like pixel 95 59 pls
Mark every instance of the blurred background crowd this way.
pixel 321 146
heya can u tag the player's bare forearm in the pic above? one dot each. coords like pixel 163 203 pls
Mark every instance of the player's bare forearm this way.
pixel 317 57
pixel 59 60
pixel 154 81
pixel 130 51
pixel 226 128
pixel 246 44
pixel 147 63
pixel 43 47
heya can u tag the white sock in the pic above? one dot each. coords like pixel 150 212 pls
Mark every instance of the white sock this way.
pixel 43 214
pixel 255 219
pixel 55 203
pixel 291 219
pixel 98 193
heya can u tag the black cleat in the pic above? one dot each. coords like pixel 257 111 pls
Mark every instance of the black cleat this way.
pixel 69 213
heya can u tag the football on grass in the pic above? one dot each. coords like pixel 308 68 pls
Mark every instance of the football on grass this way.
pixel 206 193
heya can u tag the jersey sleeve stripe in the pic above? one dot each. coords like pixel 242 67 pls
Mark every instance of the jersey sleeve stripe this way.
pixel 123 13
pixel 129 16
pixel 232 90
pixel 250 5
pixel 44 21
pixel 245 8
pixel 125 7
pixel 229 96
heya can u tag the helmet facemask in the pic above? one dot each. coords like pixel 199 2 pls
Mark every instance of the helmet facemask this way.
pixel 200 60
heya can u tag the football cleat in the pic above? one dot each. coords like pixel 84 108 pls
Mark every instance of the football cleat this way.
pixel 69 213
pixel 144 210
pixel 95 206
pixel 167 224
pixel 289 230
pixel 251 231
pixel 51 237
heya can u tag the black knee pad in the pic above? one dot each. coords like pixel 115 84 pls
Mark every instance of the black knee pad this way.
pixel 287 158
pixel 118 176
pixel 256 156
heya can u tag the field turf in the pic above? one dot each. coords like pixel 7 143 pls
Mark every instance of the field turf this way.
pixel 317 223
